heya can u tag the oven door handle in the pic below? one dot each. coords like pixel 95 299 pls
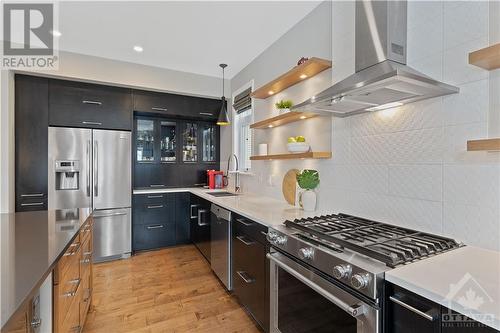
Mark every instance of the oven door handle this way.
pixel 355 310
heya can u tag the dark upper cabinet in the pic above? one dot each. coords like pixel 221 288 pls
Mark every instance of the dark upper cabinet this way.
pixel 31 142
pixel 176 105
pixel 160 103
pixel 204 108
pixel 77 104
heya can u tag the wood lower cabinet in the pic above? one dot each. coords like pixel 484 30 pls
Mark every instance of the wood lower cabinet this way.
pixel 251 268
pixel 72 281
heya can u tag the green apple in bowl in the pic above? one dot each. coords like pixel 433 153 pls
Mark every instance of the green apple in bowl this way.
pixel 300 138
pixel 291 139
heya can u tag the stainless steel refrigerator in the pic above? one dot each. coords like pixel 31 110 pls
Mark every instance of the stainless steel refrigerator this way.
pixel 92 168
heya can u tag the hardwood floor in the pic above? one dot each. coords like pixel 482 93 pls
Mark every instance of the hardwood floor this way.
pixel 170 290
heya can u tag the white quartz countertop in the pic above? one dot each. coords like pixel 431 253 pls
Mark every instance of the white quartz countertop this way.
pixel 466 280
pixel 264 210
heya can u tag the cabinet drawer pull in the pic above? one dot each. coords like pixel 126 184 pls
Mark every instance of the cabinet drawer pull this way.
pixel 155 108
pixel 87 253
pixel 154 196
pixel 76 329
pixel 159 226
pixel 263 233
pixel 91 123
pixel 156 206
pixel 411 308
pixel 72 253
pixel 85 261
pixel 244 241
pixel 193 215
pixel 92 102
pixel 245 277
pixel 156 185
pixel 246 224
pixel 206 113
pixel 69 294
pixel 33 204
pixel 32 195
pixel 75 281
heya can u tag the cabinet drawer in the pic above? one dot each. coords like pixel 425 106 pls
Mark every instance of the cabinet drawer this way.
pixel 68 260
pixel 86 231
pixel 250 228
pixel 249 275
pixel 152 236
pixel 154 210
pixel 153 198
pixel 29 202
pixel 70 323
pixel 163 104
pixel 67 289
pixel 87 105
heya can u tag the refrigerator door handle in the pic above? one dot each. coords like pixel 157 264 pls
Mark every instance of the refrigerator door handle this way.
pixel 88 168
pixel 96 169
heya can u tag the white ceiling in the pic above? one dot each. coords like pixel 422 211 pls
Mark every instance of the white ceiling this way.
pixel 182 35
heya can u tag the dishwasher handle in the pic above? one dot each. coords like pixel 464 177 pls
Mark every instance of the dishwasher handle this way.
pixel 200 217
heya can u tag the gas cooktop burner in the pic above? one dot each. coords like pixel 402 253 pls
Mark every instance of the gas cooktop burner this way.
pixel 387 243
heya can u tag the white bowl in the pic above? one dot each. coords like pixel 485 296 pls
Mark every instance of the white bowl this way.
pixel 298 147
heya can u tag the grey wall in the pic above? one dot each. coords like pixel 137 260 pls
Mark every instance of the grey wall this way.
pixel 312 36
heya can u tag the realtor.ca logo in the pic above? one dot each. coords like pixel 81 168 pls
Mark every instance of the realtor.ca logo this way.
pixel 28 40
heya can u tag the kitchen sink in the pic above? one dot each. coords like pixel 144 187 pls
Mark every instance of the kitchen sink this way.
pixel 222 194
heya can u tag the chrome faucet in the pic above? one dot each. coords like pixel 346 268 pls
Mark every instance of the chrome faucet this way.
pixel 237 187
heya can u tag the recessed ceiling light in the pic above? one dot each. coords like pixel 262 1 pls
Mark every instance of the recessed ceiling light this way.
pixel 303 76
pixel 270 126
pixel 56 33
pixel 303 117
pixel 270 92
pixel 138 48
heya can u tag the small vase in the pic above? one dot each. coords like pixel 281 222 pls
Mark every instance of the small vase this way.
pixel 282 111
pixel 307 200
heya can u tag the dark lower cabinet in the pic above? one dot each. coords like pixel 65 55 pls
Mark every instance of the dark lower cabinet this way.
pixel 199 213
pixel 153 236
pixel 31 142
pixel 251 268
pixel 183 218
pixel 406 312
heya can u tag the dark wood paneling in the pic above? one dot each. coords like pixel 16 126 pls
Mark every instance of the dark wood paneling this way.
pixel 31 142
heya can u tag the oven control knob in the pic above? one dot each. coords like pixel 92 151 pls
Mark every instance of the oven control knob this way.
pixel 360 281
pixel 280 240
pixel 341 271
pixel 271 235
pixel 306 253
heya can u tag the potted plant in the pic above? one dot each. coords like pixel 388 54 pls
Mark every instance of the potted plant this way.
pixel 308 180
pixel 284 106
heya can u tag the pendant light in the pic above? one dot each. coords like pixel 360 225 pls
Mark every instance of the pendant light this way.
pixel 223 119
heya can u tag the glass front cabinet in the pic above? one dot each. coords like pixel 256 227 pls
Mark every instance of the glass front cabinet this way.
pixel 171 141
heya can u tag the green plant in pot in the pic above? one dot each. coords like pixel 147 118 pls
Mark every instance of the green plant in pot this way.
pixel 308 180
pixel 284 106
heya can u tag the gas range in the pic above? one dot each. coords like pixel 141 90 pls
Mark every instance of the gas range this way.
pixel 355 251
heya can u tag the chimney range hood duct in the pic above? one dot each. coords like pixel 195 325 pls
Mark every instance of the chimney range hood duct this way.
pixel 382 79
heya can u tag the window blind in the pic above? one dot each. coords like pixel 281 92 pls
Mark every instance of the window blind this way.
pixel 243 101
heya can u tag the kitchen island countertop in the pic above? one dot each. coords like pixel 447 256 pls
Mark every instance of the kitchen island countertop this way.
pixel 31 243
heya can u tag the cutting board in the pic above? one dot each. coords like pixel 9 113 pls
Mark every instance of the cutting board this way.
pixel 289 186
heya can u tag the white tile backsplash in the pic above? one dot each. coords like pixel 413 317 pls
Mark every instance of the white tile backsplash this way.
pixel 409 166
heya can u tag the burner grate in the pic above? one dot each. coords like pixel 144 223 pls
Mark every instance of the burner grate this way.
pixel 390 244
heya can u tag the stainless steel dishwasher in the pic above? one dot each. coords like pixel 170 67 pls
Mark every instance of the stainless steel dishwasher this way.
pixel 220 243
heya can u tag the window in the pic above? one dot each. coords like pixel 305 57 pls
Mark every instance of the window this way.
pixel 243 117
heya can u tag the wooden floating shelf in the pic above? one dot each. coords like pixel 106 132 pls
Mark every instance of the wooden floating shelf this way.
pixel 487 58
pixel 484 145
pixel 297 74
pixel 289 156
pixel 282 119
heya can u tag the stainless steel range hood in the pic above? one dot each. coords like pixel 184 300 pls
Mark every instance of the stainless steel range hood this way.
pixel 382 79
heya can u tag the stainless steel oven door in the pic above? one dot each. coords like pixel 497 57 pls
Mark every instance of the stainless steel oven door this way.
pixel 303 301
